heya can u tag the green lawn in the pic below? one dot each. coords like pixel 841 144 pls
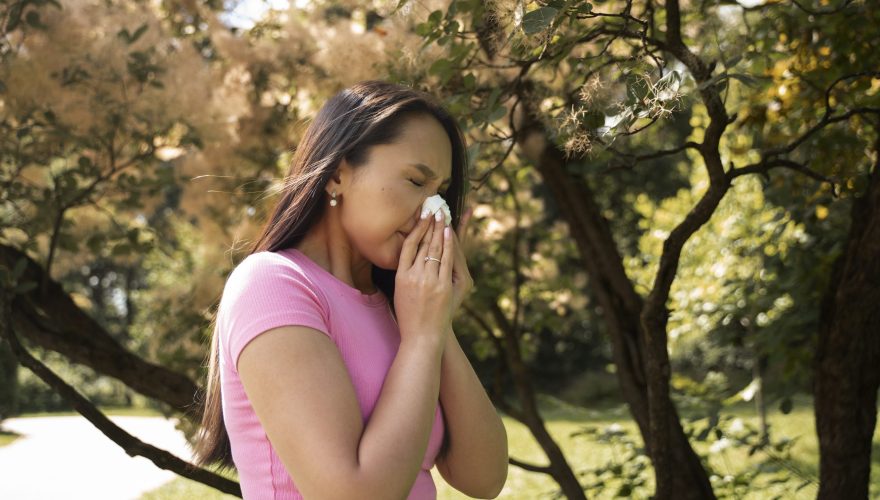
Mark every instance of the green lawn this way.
pixel 7 437
pixel 582 452
pixel 108 410
pixel 182 488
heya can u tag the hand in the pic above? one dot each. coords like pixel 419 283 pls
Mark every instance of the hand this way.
pixel 423 290
pixel 462 283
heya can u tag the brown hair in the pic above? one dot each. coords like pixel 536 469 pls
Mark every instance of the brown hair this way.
pixel 366 114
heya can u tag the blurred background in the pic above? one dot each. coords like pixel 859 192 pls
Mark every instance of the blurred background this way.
pixel 675 242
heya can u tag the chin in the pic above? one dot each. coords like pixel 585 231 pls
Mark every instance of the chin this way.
pixel 388 266
pixel 388 261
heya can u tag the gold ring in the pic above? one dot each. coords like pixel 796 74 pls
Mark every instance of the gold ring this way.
pixel 431 258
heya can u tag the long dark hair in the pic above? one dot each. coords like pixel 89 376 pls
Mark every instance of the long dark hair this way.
pixel 364 115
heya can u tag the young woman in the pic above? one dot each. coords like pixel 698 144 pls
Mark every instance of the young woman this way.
pixel 334 370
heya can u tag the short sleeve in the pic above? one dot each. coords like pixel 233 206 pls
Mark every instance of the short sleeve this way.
pixel 265 291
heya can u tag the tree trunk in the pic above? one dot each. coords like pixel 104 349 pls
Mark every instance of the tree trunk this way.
pixel 8 382
pixel 528 413
pixel 621 305
pixel 848 355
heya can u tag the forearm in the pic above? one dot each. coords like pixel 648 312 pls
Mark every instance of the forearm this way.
pixel 396 436
pixel 476 461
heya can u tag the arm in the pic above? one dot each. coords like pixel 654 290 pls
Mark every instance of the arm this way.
pixel 300 390
pixel 476 461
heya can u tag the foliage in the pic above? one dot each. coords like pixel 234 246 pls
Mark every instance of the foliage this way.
pixel 142 144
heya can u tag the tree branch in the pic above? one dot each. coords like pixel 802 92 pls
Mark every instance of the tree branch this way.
pixel 132 445
pixel 528 467
pixel 631 160
pixel 764 167
pixel 57 323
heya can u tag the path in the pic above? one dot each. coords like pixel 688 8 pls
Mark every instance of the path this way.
pixel 67 457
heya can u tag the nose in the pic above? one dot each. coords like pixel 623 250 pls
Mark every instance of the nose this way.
pixel 414 222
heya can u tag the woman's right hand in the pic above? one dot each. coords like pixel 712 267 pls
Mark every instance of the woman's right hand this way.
pixel 423 290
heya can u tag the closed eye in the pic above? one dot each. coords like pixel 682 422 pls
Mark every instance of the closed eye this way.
pixel 442 188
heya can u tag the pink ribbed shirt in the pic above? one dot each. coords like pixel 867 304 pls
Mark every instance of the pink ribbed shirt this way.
pixel 271 289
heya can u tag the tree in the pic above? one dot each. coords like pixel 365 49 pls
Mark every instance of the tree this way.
pixel 140 153
pixel 541 59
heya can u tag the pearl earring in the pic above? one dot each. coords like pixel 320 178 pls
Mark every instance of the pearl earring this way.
pixel 333 202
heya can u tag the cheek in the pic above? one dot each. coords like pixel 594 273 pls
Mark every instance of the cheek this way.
pixel 384 213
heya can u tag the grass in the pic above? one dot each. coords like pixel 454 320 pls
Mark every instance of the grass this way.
pixel 107 410
pixel 183 488
pixel 583 453
pixel 7 437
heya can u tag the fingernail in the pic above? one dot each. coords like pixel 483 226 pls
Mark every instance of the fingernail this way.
pixel 437 216
pixel 446 232
pixel 424 214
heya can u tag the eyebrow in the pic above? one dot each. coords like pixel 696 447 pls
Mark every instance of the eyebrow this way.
pixel 424 169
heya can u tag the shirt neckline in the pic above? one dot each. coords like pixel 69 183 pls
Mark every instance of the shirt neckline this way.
pixel 371 299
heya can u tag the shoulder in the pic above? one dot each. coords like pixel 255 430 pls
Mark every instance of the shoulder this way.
pixel 266 263
pixel 264 291
pixel 275 272
pixel 267 283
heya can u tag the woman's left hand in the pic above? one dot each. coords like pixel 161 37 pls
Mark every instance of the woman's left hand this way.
pixel 462 283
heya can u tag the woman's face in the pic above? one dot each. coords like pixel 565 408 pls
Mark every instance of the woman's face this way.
pixel 384 200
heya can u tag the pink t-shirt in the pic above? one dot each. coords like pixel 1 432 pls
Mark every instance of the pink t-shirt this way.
pixel 272 289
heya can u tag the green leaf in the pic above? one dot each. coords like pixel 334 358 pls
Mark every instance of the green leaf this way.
pixel 137 34
pixel 435 17
pixel 123 248
pixel 594 119
pixel 584 8
pixel 400 5
pixel 539 19
pixel 473 152
pixel 497 114
pixel 440 67
pixel 95 242
pixel 493 97
pixel 469 81
pixel 14 17
pixel 424 29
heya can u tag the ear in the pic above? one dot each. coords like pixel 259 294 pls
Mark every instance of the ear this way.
pixel 340 178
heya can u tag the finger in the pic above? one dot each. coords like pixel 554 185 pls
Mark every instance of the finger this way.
pixel 410 244
pixel 435 249
pixel 448 258
pixel 424 244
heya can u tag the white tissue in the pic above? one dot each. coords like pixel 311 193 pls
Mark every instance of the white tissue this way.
pixel 435 203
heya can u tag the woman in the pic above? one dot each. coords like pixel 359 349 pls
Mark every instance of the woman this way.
pixel 334 371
